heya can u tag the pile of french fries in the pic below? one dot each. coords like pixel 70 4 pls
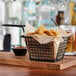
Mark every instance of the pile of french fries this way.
pixel 43 31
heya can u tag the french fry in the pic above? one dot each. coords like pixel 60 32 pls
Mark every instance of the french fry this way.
pixel 47 32
pixel 54 33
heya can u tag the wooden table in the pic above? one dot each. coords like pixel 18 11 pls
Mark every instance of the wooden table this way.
pixel 13 70
pixel 10 58
pixel 6 70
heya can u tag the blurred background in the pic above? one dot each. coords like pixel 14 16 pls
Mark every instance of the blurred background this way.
pixel 36 12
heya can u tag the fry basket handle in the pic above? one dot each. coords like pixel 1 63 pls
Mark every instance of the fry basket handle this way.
pixel 12 25
pixel 22 36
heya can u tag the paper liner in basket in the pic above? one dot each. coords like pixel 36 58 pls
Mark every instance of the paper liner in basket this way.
pixel 43 39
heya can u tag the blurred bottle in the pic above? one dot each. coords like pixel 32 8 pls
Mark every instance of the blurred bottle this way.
pixel 60 18
pixel 74 38
pixel 70 44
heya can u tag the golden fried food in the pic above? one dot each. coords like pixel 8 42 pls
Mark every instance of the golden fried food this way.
pixel 43 31
pixel 54 32
pixel 40 30
pixel 47 32
pixel 31 33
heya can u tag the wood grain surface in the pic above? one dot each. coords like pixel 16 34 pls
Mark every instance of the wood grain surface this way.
pixel 10 59
pixel 8 70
